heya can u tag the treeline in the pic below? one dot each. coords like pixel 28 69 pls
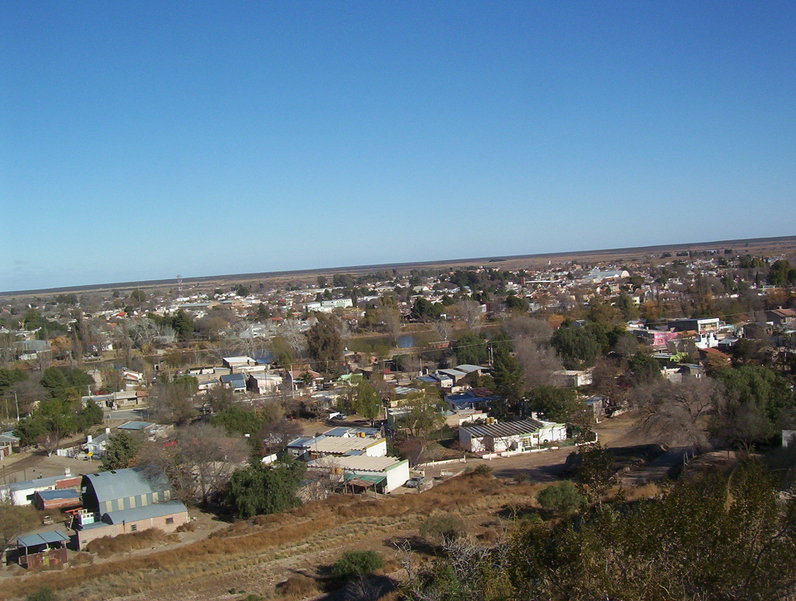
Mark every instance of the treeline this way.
pixel 61 413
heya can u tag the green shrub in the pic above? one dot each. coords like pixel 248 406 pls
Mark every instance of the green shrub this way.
pixel 483 470
pixel 561 498
pixel 442 527
pixel 357 563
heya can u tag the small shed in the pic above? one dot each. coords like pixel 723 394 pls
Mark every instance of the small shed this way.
pixel 57 499
pixel 42 550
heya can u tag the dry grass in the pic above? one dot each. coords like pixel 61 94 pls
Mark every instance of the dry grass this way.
pixel 108 545
pixel 246 551
pixel 646 491
pixel 297 586
pixel 186 527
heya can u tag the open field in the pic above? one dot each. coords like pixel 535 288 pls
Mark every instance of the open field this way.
pixel 785 245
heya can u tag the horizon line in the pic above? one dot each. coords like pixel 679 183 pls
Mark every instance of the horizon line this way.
pixel 374 267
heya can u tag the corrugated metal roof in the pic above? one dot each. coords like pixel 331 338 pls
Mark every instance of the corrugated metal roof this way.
pixel 37 483
pixel 144 513
pixel 63 493
pixel 303 441
pixel 135 425
pixel 526 426
pixel 341 431
pixel 129 482
pixel 42 538
pixel 338 444
pixel 467 368
pixel 453 373
pixel 356 463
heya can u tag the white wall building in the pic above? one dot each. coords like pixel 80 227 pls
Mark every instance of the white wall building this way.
pixel 312 447
pixel 521 435
pixel 387 473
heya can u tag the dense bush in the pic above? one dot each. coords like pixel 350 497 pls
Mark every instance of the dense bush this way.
pixel 715 538
pixel 357 563
pixel 561 498
pixel 442 527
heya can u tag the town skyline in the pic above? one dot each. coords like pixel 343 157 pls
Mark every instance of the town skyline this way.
pixel 589 255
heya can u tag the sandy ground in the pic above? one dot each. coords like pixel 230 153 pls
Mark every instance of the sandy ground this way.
pixel 29 466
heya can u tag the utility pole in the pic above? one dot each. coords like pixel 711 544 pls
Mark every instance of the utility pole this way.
pixel 16 402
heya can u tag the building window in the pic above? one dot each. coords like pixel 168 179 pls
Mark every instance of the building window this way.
pixel 169 520
pixel 133 528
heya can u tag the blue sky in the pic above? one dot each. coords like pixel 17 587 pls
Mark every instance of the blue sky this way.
pixel 139 140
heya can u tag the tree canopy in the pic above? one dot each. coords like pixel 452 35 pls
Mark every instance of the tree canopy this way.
pixel 556 404
pixel 471 348
pixel 259 489
pixel 120 450
pixel 324 342
pixel 577 347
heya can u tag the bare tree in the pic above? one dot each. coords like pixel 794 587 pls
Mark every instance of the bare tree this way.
pixel 443 329
pixel 537 330
pixel 173 402
pixel 469 311
pixel 605 381
pixel 531 342
pixel 677 414
pixel 292 332
pixel 538 362
pixel 276 434
pixel 198 462
pixel 390 319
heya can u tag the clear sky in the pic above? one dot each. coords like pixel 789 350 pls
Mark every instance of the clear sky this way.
pixel 140 140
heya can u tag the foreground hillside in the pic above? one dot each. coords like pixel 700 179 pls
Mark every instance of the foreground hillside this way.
pixel 256 556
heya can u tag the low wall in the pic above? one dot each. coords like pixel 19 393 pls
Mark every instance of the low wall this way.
pixel 441 462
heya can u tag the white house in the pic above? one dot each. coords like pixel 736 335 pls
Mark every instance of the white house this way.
pixel 22 493
pixel 572 377
pixel 95 445
pixel 384 473
pixel 261 383
pixel 235 363
pixel 311 447
pixel 521 435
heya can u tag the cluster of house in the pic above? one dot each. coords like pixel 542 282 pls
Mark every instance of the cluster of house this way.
pixel 104 504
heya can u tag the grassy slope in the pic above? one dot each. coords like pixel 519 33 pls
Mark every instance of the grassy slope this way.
pixel 257 557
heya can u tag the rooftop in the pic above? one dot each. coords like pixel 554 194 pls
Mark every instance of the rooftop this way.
pixel 135 426
pixel 42 538
pixel 128 482
pixel 518 428
pixel 358 463
pixel 62 493
pixel 143 513
pixel 37 483
pixel 335 444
